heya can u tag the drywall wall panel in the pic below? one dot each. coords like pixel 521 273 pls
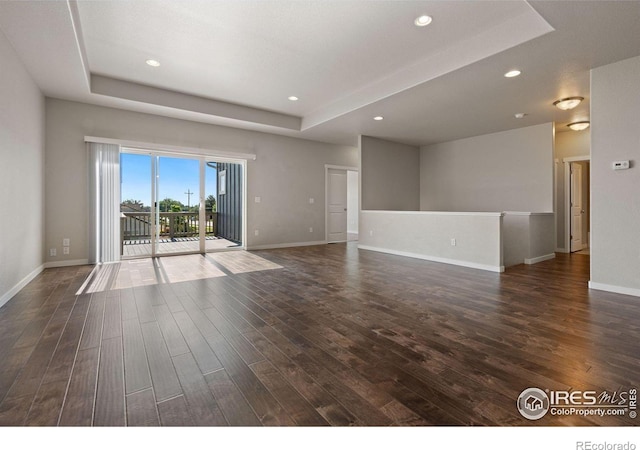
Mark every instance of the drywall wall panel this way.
pixel 390 175
pixel 470 240
pixel 615 199
pixel 352 201
pixel 507 171
pixel 21 174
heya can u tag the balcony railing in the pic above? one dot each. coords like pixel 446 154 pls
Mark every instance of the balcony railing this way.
pixel 136 226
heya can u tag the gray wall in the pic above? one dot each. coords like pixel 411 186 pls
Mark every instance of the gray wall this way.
pixel 506 171
pixel 390 175
pixel 615 195
pixel 428 235
pixel 353 209
pixel 286 173
pixel 568 144
pixel 21 174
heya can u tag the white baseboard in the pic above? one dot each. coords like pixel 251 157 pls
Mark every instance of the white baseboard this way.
pixel 26 280
pixel 437 259
pixel 291 244
pixel 613 288
pixel 67 263
pixel 538 259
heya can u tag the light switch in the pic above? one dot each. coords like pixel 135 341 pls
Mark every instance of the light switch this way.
pixel 66 242
pixel 257 199
pixel 311 201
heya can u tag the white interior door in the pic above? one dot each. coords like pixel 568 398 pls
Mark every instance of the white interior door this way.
pixel 577 209
pixel 337 205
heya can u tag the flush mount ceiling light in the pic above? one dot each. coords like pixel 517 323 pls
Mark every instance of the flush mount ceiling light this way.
pixel 568 103
pixel 519 115
pixel 378 118
pixel 512 73
pixel 153 62
pixel 293 98
pixel 423 21
pixel 579 126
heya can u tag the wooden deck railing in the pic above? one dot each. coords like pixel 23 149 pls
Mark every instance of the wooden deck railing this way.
pixel 137 225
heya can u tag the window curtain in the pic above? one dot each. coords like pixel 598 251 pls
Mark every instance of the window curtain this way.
pixel 104 202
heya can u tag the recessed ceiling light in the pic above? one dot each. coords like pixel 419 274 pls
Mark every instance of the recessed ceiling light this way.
pixel 579 126
pixel 423 21
pixel 153 62
pixel 293 98
pixel 378 118
pixel 519 115
pixel 512 73
pixel 568 103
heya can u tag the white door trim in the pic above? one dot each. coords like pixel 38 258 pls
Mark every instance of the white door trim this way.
pixel 326 194
pixel 567 197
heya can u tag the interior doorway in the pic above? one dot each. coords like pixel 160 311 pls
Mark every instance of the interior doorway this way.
pixel 342 203
pixel 577 201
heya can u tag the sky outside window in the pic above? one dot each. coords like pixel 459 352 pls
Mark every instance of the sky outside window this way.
pixel 177 176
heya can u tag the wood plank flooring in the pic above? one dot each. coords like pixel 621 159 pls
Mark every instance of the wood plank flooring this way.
pixel 314 336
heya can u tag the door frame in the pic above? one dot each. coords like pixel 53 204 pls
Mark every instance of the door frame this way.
pixel 567 198
pixel 327 167
pixel 202 158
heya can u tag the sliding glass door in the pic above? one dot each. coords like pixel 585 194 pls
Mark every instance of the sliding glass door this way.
pixel 170 204
pixel 136 215
pixel 177 190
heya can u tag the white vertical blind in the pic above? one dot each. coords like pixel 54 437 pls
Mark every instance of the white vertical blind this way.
pixel 104 202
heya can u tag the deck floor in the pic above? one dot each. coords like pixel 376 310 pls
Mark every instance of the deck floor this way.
pixel 180 245
pixel 323 335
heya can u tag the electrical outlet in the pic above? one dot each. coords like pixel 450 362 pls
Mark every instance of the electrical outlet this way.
pixel 370 232
pixel 453 242
pixel 256 232
pixel 258 199
pixel 620 165
pixel 310 229
pixel 65 250
pixel 312 201
pixel 66 242
pixel 53 252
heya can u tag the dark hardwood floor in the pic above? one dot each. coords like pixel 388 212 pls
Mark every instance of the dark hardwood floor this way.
pixel 336 336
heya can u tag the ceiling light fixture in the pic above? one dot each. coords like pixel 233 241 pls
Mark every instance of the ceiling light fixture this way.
pixel 520 115
pixel 568 103
pixel 423 21
pixel 579 126
pixel 378 118
pixel 153 62
pixel 512 73
pixel 293 98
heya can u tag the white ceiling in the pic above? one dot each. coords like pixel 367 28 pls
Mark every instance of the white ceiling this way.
pixel 234 63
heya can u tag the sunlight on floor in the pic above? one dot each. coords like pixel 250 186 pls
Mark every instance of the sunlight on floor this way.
pixel 242 262
pixel 172 269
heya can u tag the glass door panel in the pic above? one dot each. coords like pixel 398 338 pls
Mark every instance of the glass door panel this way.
pixel 178 199
pixel 210 204
pixel 136 221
